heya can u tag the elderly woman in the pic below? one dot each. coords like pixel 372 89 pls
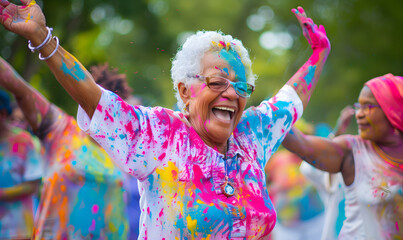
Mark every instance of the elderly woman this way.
pixel 371 164
pixel 201 170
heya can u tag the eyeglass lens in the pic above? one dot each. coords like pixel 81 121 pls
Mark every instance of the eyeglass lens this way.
pixel 243 89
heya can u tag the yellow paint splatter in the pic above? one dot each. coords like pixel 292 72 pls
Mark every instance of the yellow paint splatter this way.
pixel 191 225
pixel 31 3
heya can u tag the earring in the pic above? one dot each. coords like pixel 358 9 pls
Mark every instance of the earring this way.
pixel 396 131
pixel 185 109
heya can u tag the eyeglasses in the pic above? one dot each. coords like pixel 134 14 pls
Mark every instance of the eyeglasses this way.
pixel 364 107
pixel 220 84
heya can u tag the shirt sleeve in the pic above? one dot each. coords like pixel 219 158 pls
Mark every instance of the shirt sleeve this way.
pixel 268 123
pixel 134 136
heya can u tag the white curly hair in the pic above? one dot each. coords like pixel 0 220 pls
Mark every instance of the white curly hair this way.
pixel 187 61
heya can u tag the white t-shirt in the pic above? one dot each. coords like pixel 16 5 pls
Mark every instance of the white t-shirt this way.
pixel 332 194
pixel 374 202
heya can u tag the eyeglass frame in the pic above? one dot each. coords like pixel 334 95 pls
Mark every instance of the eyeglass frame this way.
pixel 231 83
pixel 366 108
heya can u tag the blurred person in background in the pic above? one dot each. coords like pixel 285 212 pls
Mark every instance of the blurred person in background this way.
pixel 330 186
pixel 110 79
pixel 82 194
pixel 21 170
pixel 300 210
pixel 17 119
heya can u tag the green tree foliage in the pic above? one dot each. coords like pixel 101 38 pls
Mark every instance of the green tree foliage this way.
pixel 140 38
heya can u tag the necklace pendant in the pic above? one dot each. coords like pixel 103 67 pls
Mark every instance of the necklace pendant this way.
pixel 227 189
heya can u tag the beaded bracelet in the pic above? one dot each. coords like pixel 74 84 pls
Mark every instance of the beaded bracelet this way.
pixel 54 51
pixel 40 46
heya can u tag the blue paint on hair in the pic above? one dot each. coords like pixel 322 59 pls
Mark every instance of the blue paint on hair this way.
pixel 234 60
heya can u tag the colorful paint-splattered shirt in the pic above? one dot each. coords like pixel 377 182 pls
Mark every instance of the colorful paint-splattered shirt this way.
pixel 181 177
pixel 20 161
pixel 374 202
pixel 82 195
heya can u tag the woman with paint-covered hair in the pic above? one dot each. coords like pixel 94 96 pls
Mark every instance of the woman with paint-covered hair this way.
pixel 371 163
pixel 200 170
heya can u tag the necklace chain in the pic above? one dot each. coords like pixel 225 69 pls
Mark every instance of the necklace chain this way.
pixel 227 188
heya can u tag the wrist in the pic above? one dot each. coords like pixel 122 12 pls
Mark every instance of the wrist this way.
pixel 322 50
pixel 38 36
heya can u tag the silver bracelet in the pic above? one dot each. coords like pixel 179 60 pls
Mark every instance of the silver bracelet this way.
pixel 53 53
pixel 40 46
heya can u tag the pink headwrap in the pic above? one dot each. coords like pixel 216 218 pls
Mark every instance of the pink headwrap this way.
pixel 388 92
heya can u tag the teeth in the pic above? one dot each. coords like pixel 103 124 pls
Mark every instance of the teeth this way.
pixel 225 109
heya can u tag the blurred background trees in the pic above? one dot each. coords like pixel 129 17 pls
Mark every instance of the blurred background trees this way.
pixel 140 37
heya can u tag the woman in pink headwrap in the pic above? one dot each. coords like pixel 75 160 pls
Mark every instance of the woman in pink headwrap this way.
pixel 371 163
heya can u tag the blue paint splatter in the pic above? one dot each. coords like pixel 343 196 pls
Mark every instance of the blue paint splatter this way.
pixel 309 76
pixel 76 72
pixel 226 70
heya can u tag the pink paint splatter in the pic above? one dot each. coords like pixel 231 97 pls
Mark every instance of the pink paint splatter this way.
pixel 92 227
pixel 95 209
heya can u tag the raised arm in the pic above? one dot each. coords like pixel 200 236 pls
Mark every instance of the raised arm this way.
pixel 18 191
pixel 29 22
pixel 322 153
pixel 306 78
pixel 343 121
pixel 31 102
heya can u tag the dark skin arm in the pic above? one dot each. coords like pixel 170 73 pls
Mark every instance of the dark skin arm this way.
pixel 31 102
pixel 343 121
pixel 330 155
pixel 28 21
pixel 19 191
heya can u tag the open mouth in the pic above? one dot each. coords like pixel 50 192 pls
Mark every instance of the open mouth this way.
pixel 224 113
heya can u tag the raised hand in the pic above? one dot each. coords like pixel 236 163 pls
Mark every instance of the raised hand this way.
pixel 315 35
pixel 25 20
pixel 344 120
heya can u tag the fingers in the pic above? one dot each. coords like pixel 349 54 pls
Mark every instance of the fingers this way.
pixel 4 15
pixel 322 29
pixel 301 10
pixel 4 3
pixel 28 2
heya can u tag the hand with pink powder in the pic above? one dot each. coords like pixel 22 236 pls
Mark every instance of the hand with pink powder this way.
pixel 315 35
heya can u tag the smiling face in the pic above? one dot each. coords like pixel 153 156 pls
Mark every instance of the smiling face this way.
pixel 214 115
pixel 374 125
